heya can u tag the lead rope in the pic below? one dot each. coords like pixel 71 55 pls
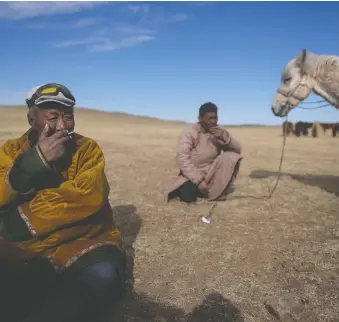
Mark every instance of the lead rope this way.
pixel 281 161
pixel 207 219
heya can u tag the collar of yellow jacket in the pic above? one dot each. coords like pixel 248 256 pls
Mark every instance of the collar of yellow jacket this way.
pixel 30 136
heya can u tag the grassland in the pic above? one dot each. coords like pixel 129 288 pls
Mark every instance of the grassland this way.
pixel 255 247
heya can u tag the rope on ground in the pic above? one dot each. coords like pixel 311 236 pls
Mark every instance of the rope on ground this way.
pixel 281 162
pixel 284 142
pixel 207 219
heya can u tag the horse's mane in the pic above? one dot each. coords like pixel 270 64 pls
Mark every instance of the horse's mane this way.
pixel 325 65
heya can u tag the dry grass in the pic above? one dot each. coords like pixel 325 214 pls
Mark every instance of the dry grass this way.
pixel 185 270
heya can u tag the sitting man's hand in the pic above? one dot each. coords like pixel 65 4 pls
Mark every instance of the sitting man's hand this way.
pixel 216 131
pixel 52 147
pixel 203 188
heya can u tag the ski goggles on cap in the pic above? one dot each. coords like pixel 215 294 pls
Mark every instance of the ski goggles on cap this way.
pixel 53 92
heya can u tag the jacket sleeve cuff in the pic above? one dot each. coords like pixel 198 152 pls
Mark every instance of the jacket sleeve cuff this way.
pixel 25 168
pixel 14 228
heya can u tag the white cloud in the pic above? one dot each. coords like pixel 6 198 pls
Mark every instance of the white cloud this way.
pixel 100 32
pixel 135 8
pixel 106 44
pixel 198 4
pixel 22 10
pixel 155 14
pixel 119 35
pixel 108 36
pixel 41 25
pixel 80 23
pixel 85 22
pixel 178 17
pixel 130 29
pixel 123 43
pixel 80 42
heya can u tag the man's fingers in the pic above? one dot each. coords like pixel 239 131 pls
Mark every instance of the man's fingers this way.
pixel 216 131
pixel 59 134
pixel 62 139
pixel 45 131
pixel 58 139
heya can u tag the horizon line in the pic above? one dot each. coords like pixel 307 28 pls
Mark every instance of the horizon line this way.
pixel 150 117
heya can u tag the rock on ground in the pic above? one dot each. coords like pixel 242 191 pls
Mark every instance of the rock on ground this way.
pixel 285 308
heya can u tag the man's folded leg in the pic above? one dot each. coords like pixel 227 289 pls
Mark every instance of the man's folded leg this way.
pixel 189 192
pixel 23 287
pixel 84 292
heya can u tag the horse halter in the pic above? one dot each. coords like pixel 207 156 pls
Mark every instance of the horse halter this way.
pixel 293 89
pixel 290 93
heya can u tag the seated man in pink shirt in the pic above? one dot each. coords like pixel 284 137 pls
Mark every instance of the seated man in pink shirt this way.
pixel 208 158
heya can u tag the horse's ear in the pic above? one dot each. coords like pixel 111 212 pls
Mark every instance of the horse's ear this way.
pixel 301 59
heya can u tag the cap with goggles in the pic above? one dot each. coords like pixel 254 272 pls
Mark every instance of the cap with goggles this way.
pixel 50 93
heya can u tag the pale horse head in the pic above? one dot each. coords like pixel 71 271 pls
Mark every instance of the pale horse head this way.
pixel 296 85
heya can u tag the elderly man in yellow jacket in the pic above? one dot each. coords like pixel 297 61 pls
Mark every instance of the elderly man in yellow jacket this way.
pixel 54 212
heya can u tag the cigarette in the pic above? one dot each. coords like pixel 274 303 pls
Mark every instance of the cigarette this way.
pixel 70 133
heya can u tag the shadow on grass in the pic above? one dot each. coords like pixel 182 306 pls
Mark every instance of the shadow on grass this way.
pixel 327 183
pixel 139 307
pixel 127 220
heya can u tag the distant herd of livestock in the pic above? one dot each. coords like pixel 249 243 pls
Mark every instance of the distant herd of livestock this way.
pixel 303 128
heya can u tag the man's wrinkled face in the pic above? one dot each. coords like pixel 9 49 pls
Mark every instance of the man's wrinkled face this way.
pixel 57 119
pixel 209 120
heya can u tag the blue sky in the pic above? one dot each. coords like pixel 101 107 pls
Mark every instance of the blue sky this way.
pixel 164 59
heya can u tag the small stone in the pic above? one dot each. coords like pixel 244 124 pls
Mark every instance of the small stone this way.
pixel 336 234
pixel 285 308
